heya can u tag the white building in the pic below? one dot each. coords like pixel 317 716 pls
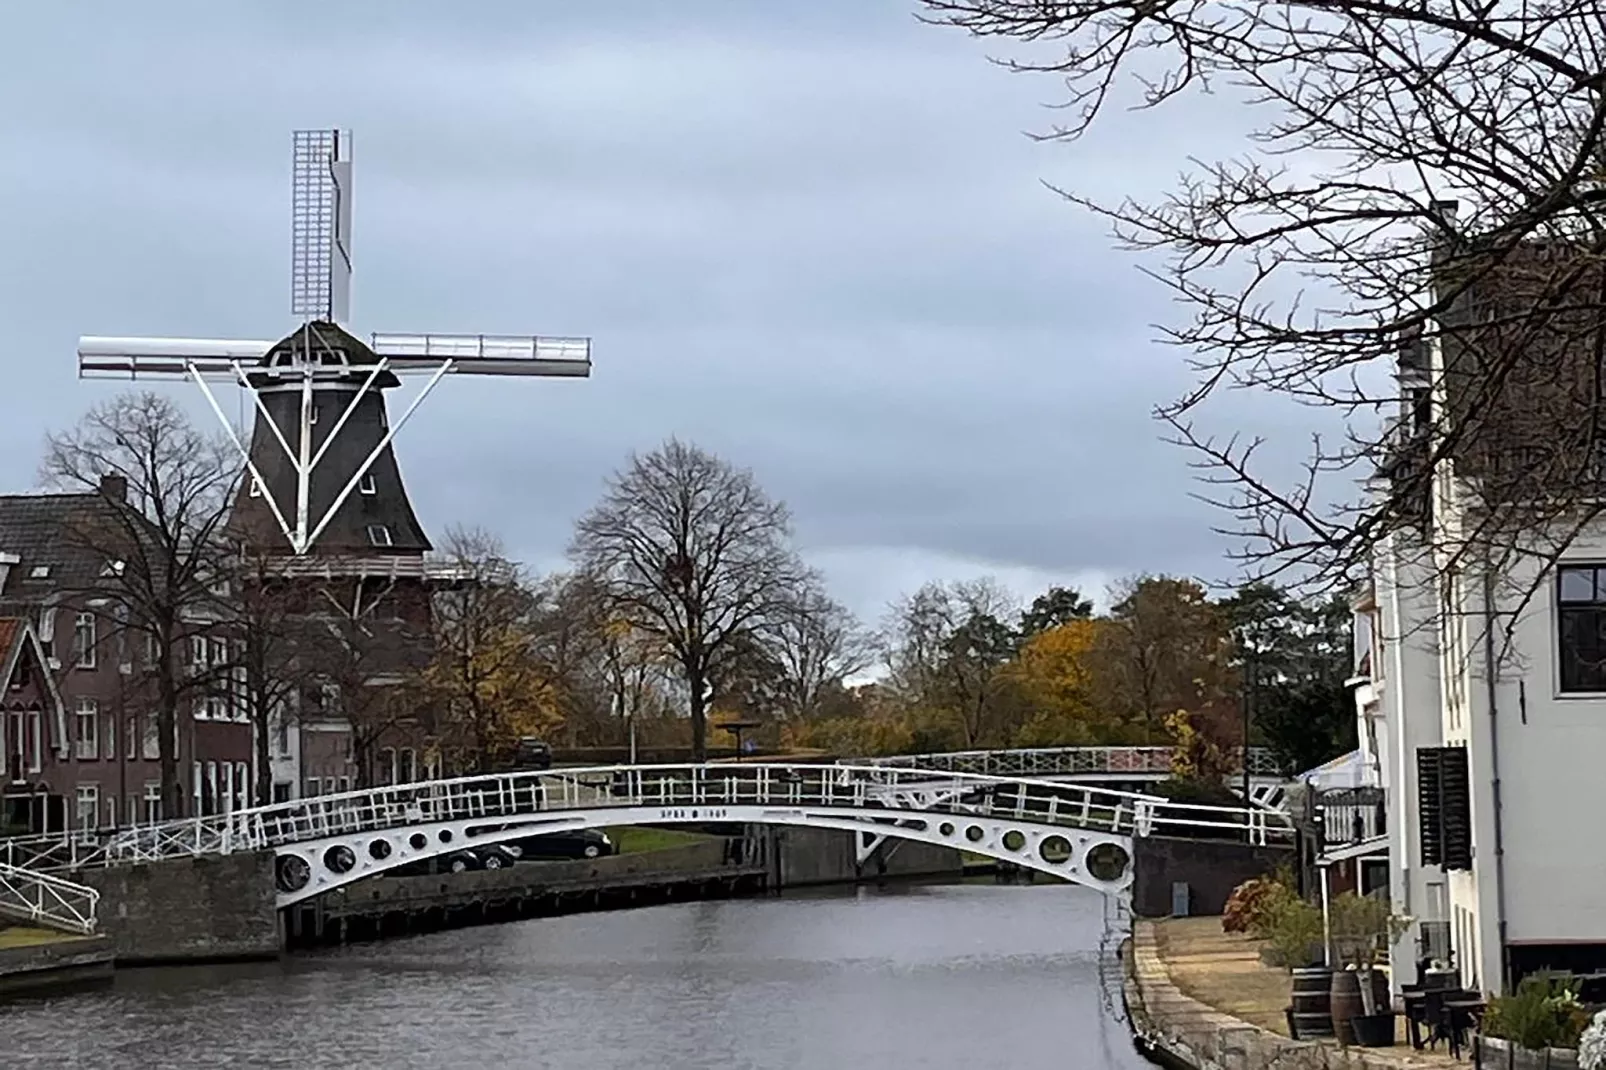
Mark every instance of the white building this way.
pixel 1483 712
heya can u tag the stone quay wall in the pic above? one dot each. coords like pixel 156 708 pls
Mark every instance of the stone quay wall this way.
pixel 210 909
pixel 1181 1032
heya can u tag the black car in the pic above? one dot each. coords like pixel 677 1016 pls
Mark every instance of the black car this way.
pixel 584 843
pixel 532 754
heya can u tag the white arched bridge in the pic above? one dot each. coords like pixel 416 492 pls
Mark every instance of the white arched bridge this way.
pixel 1082 833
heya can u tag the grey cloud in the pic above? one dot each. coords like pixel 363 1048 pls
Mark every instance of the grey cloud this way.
pixel 809 236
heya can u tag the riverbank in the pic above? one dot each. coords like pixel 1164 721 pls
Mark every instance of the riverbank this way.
pixel 35 959
pixel 1200 999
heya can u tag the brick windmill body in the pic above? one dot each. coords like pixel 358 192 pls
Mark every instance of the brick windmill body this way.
pixel 322 509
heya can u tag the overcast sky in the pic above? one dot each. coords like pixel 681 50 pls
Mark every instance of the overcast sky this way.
pixel 812 237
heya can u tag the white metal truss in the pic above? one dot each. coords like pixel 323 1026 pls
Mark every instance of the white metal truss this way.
pixel 320 225
pixel 42 899
pixel 1080 832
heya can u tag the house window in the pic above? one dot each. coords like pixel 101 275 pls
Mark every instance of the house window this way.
pixel 109 745
pixel 344 784
pixel 1581 627
pixel 153 801
pixel 379 535
pixel 111 811
pixel 84 640
pixel 88 729
pixel 281 791
pixel 367 485
pixel 39 572
pixel 281 735
pixel 313 785
pixel 131 739
pixel 409 765
pixel 87 799
pixel 151 745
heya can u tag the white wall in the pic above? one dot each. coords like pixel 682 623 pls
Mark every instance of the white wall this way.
pixel 1405 682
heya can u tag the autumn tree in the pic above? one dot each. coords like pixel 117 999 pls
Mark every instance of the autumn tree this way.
pixel 949 647
pixel 1164 649
pixel 485 680
pixel 1418 179
pixel 696 555
pixel 164 490
pixel 1055 673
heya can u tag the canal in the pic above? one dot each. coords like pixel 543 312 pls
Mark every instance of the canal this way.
pixel 973 975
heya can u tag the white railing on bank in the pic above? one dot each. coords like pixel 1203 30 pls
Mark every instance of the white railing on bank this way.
pixel 38 898
pixel 1140 762
pixel 528 794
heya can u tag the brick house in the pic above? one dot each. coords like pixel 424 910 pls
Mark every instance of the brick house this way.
pixel 100 768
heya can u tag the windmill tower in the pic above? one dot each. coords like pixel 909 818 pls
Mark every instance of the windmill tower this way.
pixel 321 476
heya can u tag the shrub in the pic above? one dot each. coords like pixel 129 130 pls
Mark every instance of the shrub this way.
pixel 1542 1013
pixel 1294 929
pixel 1248 908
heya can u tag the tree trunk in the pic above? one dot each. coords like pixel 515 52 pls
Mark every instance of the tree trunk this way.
pixel 262 715
pixel 699 714
pixel 167 728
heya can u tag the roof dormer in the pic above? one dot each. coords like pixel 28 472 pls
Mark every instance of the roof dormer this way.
pixel 7 563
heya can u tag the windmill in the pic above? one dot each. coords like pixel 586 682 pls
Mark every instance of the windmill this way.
pixel 322 476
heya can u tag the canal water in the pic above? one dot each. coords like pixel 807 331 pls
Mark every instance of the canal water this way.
pixel 974 976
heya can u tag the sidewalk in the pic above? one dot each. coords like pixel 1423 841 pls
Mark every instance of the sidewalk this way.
pixel 1204 997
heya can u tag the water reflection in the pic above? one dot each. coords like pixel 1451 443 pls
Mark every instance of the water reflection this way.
pixel 925 976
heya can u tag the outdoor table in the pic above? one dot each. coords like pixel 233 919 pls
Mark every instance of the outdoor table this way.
pixel 1462 1011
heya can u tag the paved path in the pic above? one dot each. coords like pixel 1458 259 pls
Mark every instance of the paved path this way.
pixel 1204 995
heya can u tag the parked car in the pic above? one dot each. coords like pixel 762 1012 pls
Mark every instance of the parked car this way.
pixel 531 754
pixel 584 843
pixel 498 855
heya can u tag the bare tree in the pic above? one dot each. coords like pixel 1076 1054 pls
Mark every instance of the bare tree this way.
pixel 695 554
pixel 949 647
pixel 365 667
pixel 273 641
pixel 1425 183
pixel 165 490
pixel 818 645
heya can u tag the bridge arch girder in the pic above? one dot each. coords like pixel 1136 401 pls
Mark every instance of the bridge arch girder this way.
pixel 1100 860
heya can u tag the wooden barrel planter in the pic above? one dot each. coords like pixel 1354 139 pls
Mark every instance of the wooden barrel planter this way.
pixel 1310 1015
pixel 1345 1003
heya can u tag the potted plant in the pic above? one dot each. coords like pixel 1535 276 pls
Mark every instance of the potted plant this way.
pixel 1539 1025
pixel 1362 929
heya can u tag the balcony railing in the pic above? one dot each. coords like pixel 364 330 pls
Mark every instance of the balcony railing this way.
pixel 1350 815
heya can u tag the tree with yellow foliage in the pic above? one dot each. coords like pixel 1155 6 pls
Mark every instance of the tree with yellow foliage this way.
pixel 1054 672
pixel 486 680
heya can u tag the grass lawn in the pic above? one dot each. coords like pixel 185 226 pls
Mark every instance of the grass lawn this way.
pixel 631 839
pixel 22 936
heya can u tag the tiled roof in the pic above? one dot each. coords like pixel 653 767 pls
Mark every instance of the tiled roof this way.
pixel 38 528
pixel 10 630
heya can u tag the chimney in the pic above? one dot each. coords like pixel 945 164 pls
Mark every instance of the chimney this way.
pixel 114 487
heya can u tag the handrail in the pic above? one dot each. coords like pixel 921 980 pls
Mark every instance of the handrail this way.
pixel 43 899
pixel 1141 761
pixel 526 794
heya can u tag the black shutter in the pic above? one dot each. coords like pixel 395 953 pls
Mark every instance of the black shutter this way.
pixel 1429 808
pixel 1445 807
pixel 1457 810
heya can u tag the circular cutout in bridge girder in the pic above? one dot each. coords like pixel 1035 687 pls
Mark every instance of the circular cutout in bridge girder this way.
pixel 418 841
pixel 975 834
pixel 1108 862
pixel 379 850
pixel 340 858
pixel 946 828
pixel 1055 850
pixel 1014 840
pixel 446 835
pixel 292 873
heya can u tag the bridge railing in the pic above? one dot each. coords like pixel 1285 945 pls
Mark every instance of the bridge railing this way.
pixel 1063 761
pixel 37 898
pixel 694 792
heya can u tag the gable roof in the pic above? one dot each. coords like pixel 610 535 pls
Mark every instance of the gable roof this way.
pixel 17 637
